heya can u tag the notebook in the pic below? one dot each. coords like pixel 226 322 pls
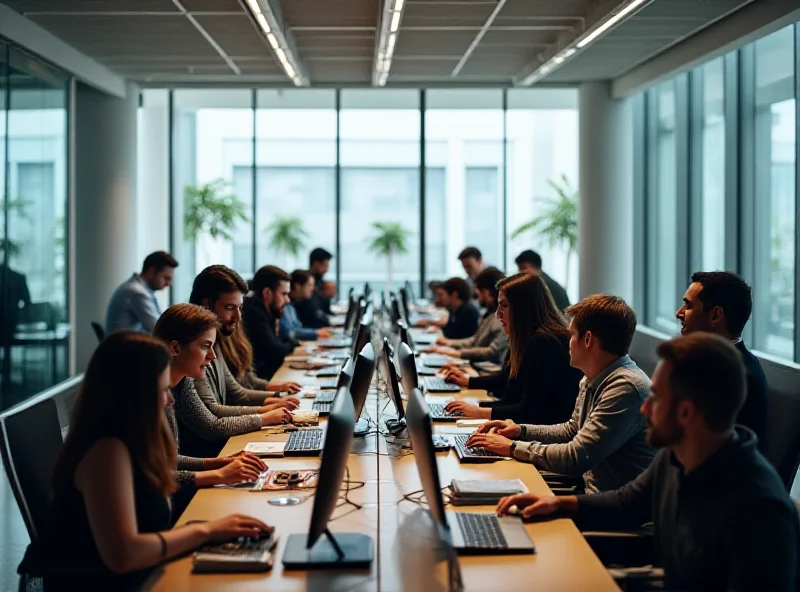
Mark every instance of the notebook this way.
pixel 478 492
pixel 273 449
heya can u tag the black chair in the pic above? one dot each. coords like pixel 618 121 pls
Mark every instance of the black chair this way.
pixel 31 443
pixel 781 443
pixel 98 331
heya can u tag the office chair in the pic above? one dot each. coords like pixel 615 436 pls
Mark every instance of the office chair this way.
pixel 98 331
pixel 31 442
pixel 781 443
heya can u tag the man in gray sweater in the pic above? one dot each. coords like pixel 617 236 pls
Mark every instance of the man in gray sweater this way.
pixel 605 439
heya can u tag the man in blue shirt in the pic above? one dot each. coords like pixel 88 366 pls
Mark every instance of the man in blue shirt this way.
pixel 302 286
pixel 133 305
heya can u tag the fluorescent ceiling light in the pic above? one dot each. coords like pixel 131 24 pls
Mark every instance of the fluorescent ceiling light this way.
pixel 398 5
pixel 272 41
pixel 262 21
pixel 395 22
pixel 281 55
pixel 610 23
pixel 254 6
pixel 390 46
pixel 269 23
pixel 391 16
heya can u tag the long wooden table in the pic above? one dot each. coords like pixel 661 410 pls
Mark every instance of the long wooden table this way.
pixel 406 553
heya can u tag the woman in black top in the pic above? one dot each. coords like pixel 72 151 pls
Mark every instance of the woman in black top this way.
pixel 113 478
pixel 537 383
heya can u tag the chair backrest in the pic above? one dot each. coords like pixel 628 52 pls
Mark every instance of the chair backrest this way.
pixel 30 445
pixel 99 332
pixel 782 443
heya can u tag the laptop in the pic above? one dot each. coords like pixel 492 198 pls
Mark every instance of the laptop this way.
pixel 472 533
pixel 468 454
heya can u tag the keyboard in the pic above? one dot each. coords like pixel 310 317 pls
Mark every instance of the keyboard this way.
pixel 435 361
pixel 437 412
pixel 334 343
pixel 327 384
pixel 468 454
pixel 322 407
pixel 326 397
pixel 328 371
pixel 304 443
pixel 242 555
pixel 425 370
pixel 438 385
pixel 481 531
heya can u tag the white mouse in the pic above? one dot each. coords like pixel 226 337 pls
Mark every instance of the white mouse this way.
pixel 514 511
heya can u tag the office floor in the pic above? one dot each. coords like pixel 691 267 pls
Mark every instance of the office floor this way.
pixel 13 536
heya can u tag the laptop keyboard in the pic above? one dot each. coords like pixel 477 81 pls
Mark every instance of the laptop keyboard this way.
pixel 481 531
pixel 437 411
pixel 325 397
pixel 323 407
pixel 438 385
pixel 463 450
pixel 327 384
pixel 244 546
pixel 328 371
pixel 304 441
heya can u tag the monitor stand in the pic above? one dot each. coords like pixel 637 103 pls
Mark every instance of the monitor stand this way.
pixel 361 428
pixel 347 550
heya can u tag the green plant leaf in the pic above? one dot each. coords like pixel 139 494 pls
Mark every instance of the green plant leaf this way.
pixel 208 209
pixel 558 223
pixel 287 235
pixel 389 238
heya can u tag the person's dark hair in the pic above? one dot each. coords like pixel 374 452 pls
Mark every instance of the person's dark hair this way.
pixel 433 284
pixel 270 277
pixel 530 257
pixel 610 319
pixel 213 282
pixel 318 255
pixel 471 252
pixel 457 285
pixel 299 277
pixel 531 310
pixel 120 398
pixel 159 260
pixel 731 293
pixel 709 370
pixel 488 280
pixel 184 323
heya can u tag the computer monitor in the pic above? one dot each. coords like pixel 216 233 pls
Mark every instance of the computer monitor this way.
pixel 410 292
pixel 408 368
pixel 418 419
pixel 345 549
pixel 405 310
pixel 405 336
pixel 397 314
pixel 361 338
pixel 352 312
pixel 389 372
pixel 363 372
pixel 345 375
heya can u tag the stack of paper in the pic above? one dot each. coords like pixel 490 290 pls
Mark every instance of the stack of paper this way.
pixel 475 492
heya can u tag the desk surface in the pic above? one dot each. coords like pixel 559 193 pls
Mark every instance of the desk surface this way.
pixel 405 556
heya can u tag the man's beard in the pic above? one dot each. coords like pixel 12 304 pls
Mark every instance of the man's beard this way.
pixel 227 330
pixel 668 434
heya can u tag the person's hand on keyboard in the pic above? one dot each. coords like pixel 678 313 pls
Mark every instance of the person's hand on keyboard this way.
pixel 504 427
pixel 468 411
pixel 285 387
pixel 271 404
pixel 490 442
pixel 251 459
pixel 456 376
pixel 276 417
pixel 324 333
pixel 235 526
pixel 529 504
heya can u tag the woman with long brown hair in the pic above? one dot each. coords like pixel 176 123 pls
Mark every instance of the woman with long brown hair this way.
pixel 113 478
pixel 537 383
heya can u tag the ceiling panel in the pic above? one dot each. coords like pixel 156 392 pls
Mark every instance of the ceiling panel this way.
pixel 152 42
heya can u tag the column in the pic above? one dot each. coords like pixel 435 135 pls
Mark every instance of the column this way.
pixel 605 218
pixel 105 240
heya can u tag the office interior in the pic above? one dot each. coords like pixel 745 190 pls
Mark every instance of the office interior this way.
pixel 675 128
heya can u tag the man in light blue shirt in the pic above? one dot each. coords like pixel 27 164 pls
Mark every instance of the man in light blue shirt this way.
pixel 133 305
pixel 302 286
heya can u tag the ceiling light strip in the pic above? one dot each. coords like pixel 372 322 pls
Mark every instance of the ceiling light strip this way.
pixel 268 22
pixel 590 36
pixel 391 18
pixel 478 37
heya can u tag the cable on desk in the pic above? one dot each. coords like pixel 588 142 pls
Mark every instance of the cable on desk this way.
pixel 418 497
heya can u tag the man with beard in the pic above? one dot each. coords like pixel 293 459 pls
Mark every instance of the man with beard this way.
pixel 260 315
pixel 721 302
pixel 722 519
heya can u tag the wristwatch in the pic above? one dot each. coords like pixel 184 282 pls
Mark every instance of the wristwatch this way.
pixel 522 431
pixel 512 448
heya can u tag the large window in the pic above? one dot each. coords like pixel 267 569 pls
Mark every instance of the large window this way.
pixel 212 173
pixel 295 176
pixel 542 164
pixel 775 173
pixel 380 184
pixel 34 321
pixel 464 178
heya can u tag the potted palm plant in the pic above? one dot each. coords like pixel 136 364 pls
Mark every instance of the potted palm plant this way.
pixel 558 224
pixel 389 238
pixel 210 210
pixel 286 236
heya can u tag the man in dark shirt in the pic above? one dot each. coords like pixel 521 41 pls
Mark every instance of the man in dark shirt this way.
pixel 530 262
pixel 462 321
pixel 721 302
pixel 722 518
pixel 260 314
pixel 472 261
pixel 312 312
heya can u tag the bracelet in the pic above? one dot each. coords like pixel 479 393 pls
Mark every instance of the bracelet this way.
pixel 163 545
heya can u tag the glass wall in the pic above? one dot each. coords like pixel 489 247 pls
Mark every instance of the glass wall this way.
pixel 720 171
pixel 275 173
pixel 33 223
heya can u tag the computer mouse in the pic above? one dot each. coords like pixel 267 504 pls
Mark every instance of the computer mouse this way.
pixel 514 511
